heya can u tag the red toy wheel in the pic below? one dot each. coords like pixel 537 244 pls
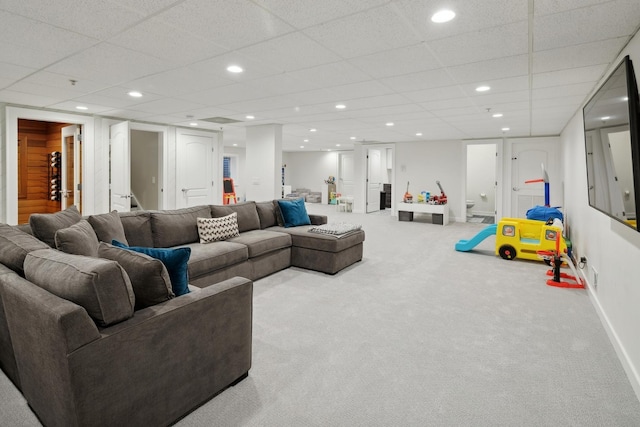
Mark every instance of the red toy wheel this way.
pixel 507 252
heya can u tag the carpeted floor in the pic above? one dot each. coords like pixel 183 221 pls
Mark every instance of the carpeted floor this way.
pixel 417 334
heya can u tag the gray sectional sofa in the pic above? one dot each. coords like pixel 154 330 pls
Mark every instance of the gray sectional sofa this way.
pixel 95 335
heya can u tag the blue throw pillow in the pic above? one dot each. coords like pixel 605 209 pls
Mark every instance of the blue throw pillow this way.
pixel 294 212
pixel 175 260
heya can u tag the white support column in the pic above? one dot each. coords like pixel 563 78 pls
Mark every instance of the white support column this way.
pixel 263 162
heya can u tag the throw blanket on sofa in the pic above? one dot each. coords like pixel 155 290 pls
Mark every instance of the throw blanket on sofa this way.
pixel 339 229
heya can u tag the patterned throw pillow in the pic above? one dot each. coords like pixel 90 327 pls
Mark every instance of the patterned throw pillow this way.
pixel 216 229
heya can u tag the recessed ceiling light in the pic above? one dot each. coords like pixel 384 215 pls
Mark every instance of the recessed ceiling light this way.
pixel 341 106
pixel 337 145
pixel 250 117
pixel 134 94
pixel 353 138
pixel 235 145
pixel 312 130
pixel 390 124
pixel 193 124
pixel 306 140
pixel 419 134
pixel 625 98
pixel 482 88
pixel 81 107
pixel 505 129
pixel 234 69
pixel 605 118
pixel 302 146
pixel 444 15
pixel 496 115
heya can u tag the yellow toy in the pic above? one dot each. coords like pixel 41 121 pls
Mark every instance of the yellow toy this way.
pixel 523 238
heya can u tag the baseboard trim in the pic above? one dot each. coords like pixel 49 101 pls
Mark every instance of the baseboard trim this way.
pixel 623 356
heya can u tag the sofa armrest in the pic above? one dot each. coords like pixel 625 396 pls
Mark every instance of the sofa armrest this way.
pixel 318 219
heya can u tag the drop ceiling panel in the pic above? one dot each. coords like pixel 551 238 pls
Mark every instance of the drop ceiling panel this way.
pixel 281 84
pixel 330 75
pixel 376 101
pixel 305 13
pixel 277 114
pixel 158 39
pixel 494 100
pixel 145 7
pixel 511 66
pixel 226 95
pixel 71 106
pixel 584 25
pixel 394 62
pixel 14 72
pixel 589 74
pixel 62 81
pixel 13 97
pixel 548 7
pixel 100 21
pixel 278 52
pixel 562 91
pixel 582 55
pixel 364 33
pixel 442 93
pixel 123 113
pixel 167 106
pixel 180 81
pixel 478 46
pixel 262 104
pixel 219 21
pixel 109 63
pixel 418 81
pixel 387 114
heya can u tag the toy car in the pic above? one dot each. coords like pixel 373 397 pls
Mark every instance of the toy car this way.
pixel 523 238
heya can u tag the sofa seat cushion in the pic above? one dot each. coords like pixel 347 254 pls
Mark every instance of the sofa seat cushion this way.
pixel 248 218
pixel 260 242
pixel 15 245
pixel 209 257
pixel 302 238
pixel 178 226
pixel 100 286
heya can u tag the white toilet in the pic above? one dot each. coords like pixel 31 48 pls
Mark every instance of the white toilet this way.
pixel 470 204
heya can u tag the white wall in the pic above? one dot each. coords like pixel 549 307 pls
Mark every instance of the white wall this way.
pixel 611 248
pixel 425 162
pixel 481 177
pixel 309 169
pixel 263 162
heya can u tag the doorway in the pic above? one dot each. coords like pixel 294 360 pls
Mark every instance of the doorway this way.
pixel 481 182
pixel 49 171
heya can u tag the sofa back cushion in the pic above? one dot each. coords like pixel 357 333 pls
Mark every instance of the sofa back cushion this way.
pixel 267 214
pixel 178 226
pixel 100 286
pixel 137 228
pixel 44 226
pixel 108 227
pixel 149 277
pixel 79 239
pixel 248 218
pixel 15 245
pixel 294 212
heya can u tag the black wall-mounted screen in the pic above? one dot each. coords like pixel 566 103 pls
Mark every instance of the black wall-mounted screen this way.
pixel 612 138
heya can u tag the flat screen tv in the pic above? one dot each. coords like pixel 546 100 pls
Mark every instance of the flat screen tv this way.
pixel 612 138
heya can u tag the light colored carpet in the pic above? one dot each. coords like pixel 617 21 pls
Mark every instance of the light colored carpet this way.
pixel 417 334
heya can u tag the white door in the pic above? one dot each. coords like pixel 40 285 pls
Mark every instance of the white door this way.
pixel 120 167
pixel 374 180
pixel 70 176
pixel 527 159
pixel 195 171
pixel 345 179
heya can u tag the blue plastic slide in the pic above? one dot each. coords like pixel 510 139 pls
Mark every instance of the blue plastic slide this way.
pixel 467 245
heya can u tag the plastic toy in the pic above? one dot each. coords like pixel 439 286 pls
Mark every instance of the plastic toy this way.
pixel 516 237
pixel 556 260
pixel 408 198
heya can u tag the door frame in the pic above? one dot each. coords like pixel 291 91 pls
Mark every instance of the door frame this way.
pixel 360 176
pixel 10 213
pixel 163 164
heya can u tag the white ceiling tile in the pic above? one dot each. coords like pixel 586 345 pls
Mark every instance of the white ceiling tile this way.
pixel 582 55
pixel 145 7
pixel 509 84
pixel 279 52
pixel 329 75
pixel 261 104
pixel 109 63
pixel 444 104
pixel 179 81
pixel 99 21
pixel 564 77
pixel 222 21
pixel 62 81
pixel 549 7
pixel 376 101
pixel 388 113
pixel 13 97
pixel 14 72
pixel 482 45
pixel 71 106
pixel 274 114
pixel 394 62
pixel 38 89
pixel 226 94
pixel 371 31
pixel 35 44
pixel 359 90
pixel 304 13
pixel 437 94
pixel 281 84
pixel 511 66
pixel 124 114
pixel 168 106
pixel 418 81
pixel 158 39
pixel 315 97
pixel 577 26
pixel 216 68
pixel 574 101
pixel 495 99
pixel 562 91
